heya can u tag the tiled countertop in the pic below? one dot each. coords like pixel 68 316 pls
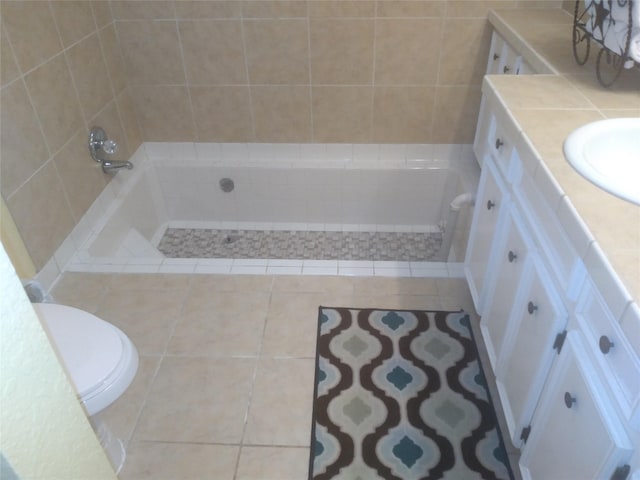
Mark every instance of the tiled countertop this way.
pixel 547 107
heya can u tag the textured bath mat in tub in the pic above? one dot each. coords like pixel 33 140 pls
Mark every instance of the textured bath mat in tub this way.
pixel 401 395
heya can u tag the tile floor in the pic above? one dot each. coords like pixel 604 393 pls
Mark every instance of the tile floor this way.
pixel 225 381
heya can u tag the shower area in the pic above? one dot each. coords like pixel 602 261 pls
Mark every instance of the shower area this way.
pixel 341 130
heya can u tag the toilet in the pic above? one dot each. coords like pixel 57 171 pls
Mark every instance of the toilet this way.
pixel 100 361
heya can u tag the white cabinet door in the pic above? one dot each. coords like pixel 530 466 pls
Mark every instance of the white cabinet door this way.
pixel 495 54
pixel 575 433
pixel 506 272
pixel 490 206
pixel 537 320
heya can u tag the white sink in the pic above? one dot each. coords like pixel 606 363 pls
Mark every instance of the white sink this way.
pixel 607 153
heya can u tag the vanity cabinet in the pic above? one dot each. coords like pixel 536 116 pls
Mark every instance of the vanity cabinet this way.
pixel 567 377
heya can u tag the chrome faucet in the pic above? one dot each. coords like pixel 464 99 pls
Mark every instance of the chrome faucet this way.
pixel 100 146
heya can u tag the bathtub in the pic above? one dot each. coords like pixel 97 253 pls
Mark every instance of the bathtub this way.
pixel 355 188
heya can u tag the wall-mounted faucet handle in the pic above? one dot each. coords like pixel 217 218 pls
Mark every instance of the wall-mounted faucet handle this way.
pixel 99 144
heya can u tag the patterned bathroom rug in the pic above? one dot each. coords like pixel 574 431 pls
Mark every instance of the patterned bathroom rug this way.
pixel 401 395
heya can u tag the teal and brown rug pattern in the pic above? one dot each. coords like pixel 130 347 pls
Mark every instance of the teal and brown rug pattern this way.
pixel 401 395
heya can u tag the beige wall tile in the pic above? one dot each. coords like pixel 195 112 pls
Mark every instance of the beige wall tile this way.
pixel 406 51
pixel 24 149
pixel 151 52
pixel 342 114
pixel 476 8
pixel 8 67
pixel 403 114
pixel 282 114
pixel 213 51
pixel 341 51
pixel 411 8
pixel 81 177
pixel 113 58
pixel 164 113
pixel 42 214
pixel 465 47
pixel 101 12
pixel 32 32
pixel 127 111
pixel 274 9
pixel 74 19
pixel 456 114
pixel 88 69
pixel 222 114
pixel 342 8
pixel 55 101
pixel 277 51
pixel 142 9
pixel 208 9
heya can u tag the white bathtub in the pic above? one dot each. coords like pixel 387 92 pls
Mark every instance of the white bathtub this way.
pixel 286 187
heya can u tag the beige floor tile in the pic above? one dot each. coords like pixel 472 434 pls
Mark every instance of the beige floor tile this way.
pixel 395 286
pixel 228 304
pixel 203 285
pixel 122 415
pixel 81 290
pixel 141 281
pixel 146 316
pixel 311 284
pixel 281 405
pixel 180 461
pixel 212 333
pixel 292 324
pixel 399 302
pixel 273 463
pixel 197 399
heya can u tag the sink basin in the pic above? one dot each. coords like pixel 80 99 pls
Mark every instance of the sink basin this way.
pixel 607 153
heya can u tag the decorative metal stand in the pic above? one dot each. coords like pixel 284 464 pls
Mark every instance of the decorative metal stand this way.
pixel 592 21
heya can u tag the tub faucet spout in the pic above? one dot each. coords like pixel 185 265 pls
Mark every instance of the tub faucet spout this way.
pixel 109 166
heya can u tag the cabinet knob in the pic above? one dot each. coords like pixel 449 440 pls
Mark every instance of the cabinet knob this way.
pixel 495 57
pixel 605 344
pixel 569 400
pixel 531 308
pixel 490 204
pixel 512 256
pixel 506 69
pixel 499 143
pixel 621 473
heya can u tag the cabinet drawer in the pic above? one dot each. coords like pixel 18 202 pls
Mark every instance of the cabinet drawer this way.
pixel 562 258
pixel 495 53
pixel 617 358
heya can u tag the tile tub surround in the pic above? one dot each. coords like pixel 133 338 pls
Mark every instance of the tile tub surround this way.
pixel 247 334
pixel 545 109
pixel 61 73
pixel 119 231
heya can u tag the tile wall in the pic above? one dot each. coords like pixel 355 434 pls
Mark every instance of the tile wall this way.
pixel 61 73
pixel 307 71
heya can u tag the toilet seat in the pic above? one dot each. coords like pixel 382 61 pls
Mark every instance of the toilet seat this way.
pixel 100 360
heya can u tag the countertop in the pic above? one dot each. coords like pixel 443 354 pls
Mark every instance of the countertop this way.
pixel 546 107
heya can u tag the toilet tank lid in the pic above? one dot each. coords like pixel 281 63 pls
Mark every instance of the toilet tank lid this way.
pixel 89 348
